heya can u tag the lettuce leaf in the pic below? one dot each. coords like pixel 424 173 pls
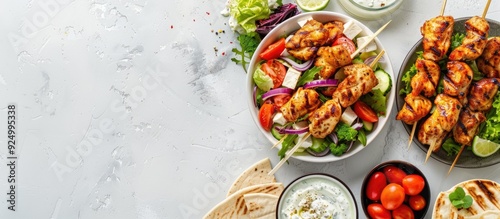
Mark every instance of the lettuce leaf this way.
pixel 491 128
pixel 262 80
pixel 247 12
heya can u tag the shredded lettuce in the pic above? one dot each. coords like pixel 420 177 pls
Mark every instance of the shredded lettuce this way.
pixel 247 12
pixel 262 80
pixel 308 75
pixel 451 147
pixel 406 79
pixel 456 40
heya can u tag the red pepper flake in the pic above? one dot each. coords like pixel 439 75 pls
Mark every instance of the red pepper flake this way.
pixel 208 13
pixel 171 26
pixel 223 53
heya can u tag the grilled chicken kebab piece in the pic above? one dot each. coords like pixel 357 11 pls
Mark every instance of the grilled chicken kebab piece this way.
pixel 457 79
pixel 424 81
pixel 305 42
pixel 301 103
pixel 476 37
pixel 442 120
pixel 489 62
pixel 331 58
pixel 436 34
pixel 480 101
pixel 360 79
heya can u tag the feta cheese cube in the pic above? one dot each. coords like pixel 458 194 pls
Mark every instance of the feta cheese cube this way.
pixel 291 78
pixel 372 46
pixel 304 20
pixel 351 29
pixel 348 116
pixel 278 118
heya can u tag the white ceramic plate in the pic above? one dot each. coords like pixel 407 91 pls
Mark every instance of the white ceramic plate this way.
pixel 290 26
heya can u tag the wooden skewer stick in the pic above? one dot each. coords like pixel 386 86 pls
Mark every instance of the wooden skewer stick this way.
pixel 486 8
pixel 288 154
pixel 456 158
pixel 414 127
pixel 362 46
pixel 375 60
pixel 429 151
pixel 280 141
pixel 443 6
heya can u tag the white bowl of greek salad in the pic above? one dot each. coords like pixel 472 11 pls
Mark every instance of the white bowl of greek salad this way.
pixel 307 84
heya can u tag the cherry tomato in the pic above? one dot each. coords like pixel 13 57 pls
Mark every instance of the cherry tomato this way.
pixel 274 50
pixel 365 112
pixel 346 43
pixel 392 196
pixel 275 70
pixel 266 113
pixel 394 174
pixel 417 202
pixel 376 184
pixel 403 212
pixel 377 211
pixel 413 184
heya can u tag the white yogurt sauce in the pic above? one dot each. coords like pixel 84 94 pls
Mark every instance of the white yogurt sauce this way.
pixel 317 198
pixel 375 4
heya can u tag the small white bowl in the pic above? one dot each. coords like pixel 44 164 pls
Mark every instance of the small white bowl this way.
pixel 288 27
pixel 315 180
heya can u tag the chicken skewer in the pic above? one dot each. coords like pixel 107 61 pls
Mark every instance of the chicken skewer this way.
pixel 472 48
pixel 325 118
pixel 436 34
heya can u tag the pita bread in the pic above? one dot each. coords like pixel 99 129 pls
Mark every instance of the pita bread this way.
pixel 261 206
pixel 486 201
pixel 234 205
pixel 254 175
pixel 490 214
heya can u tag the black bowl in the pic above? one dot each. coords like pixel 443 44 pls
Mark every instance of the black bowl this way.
pixel 408 169
pixel 467 159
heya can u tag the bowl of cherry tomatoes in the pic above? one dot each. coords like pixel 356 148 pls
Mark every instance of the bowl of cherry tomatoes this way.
pixel 395 189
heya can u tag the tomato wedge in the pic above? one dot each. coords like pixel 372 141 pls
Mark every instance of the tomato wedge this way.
pixel 347 43
pixel 365 112
pixel 266 113
pixel 274 50
pixel 275 70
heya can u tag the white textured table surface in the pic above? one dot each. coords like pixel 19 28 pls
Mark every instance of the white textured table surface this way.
pixel 133 108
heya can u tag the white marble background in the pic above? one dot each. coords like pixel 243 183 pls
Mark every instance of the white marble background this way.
pixel 133 109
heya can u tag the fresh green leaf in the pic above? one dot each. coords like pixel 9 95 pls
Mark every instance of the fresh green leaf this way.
pixel 459 199
pixel 247 12
pixel 262 80
pixel 408 75
pixel 491 128
pixel 477 75
pixel 345 132
pixel 308 75
pixel 376 100
pixel 248 43
pixel 339 149
pixel 456 40
pixel 451 147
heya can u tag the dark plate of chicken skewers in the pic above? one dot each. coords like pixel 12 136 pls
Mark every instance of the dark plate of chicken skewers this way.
pixel 446 87
pixel 320 87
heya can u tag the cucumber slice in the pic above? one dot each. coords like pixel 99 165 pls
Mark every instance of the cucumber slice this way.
pixel 368 126
pixel 317 145
pixel 275 132
pixel 384 81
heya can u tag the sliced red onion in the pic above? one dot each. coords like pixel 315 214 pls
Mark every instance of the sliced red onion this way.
pixel 320 154
pixel 292 131
pixel 276 92
pixel 321 83
pixel 370 59
pixel 350 146
pixel 255 96
pixel 334 138
pixel 357 125
pixel 299 67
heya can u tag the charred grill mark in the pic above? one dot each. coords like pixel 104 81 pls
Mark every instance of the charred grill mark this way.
pixel 486 187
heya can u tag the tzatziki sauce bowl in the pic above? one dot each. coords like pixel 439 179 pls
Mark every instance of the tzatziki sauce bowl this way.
pixel 317 195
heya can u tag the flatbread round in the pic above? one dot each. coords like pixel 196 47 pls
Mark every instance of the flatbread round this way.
pixel 486 201
pixel 234 205
pixel 254 175
pixel 261 206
